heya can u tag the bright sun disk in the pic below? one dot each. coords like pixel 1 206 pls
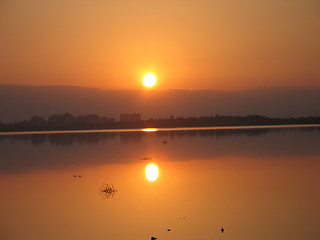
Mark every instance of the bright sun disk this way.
pixel 149 80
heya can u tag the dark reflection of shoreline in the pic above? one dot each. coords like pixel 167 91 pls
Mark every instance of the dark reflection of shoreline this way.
pixel 19 153
pixel 68 139
pixel 217 133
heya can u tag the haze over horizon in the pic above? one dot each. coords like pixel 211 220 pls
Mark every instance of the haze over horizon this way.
pixel 21 102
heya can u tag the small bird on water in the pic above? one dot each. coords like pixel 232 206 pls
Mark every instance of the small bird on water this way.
pixel 153 238
pixel 222 230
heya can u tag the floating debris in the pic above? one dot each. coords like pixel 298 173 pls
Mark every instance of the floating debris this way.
pixel 77 176
pixel 146 158
pixel 164 142
pixel 168 229
pixel 107 191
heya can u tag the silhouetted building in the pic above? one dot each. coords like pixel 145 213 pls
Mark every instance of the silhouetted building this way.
pixel 37 121
pixel 93 119
pixel 61 119
pixel 130 117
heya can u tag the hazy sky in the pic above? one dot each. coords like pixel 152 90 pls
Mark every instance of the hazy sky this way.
pixel 219 44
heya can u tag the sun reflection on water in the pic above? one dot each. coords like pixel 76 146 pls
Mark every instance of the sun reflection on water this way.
pixel 152 172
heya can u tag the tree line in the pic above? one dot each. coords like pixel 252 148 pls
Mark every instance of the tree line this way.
pixel 64 121
pixel 93 121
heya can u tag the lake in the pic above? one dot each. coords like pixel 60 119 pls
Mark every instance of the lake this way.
pixel 255 183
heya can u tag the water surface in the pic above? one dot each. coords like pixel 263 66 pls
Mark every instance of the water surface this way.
pixel 256 183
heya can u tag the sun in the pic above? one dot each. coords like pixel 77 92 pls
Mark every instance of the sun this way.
pixel 149 80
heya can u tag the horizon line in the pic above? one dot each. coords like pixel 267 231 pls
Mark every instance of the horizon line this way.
pixel 165 89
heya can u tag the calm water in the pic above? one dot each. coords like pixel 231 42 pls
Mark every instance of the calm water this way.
pixel 255 183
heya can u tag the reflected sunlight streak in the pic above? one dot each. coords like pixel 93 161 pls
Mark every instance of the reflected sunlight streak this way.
pixel 149 130
pixel 152 172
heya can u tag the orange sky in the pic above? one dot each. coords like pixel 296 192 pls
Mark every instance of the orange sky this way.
pixel 187 44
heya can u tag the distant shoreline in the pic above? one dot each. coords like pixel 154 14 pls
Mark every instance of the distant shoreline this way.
pixel 94 122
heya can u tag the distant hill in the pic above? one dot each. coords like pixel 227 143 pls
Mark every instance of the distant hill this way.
pixel 19 103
